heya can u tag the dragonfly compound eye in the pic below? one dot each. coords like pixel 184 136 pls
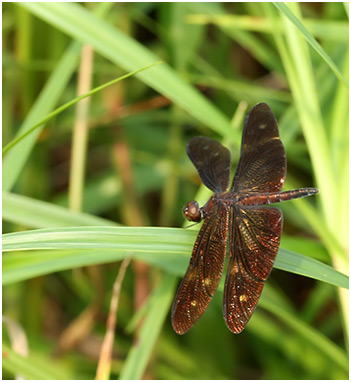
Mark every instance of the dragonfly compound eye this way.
pixel 192 211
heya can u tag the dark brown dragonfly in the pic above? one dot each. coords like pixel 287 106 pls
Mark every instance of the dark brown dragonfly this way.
pixel 254 229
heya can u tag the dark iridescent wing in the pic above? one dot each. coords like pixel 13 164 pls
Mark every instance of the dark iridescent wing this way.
pixel 262 164
pixel 254 242
pixel 212 161
pixel 204 271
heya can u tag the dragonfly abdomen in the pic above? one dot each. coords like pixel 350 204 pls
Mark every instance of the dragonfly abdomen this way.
pixel 275 197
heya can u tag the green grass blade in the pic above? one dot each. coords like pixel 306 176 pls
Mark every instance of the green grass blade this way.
pixel 140 353
pixel 15 160
pixel 168 248
pixel 128 53
pixel 69 104
pixel 26 265
pixel 306 266
pixel 340 153
pixel 103 238
pixel 327 30
pixel 317 223
pixel 35 366
pixel 34 213
pixel 257 46
pixel 299 70
pixel 330 349
pixel 311 40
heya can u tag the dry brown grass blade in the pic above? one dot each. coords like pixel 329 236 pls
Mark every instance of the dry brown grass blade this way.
pixel 18 339
pixel 104 365
pixel 80 131
pixel 79 328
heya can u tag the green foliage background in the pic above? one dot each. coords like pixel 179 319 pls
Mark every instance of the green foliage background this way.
pixel 219 59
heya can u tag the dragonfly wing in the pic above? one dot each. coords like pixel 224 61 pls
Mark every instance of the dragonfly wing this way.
pixel 254 242
pixel 212 161
pixel 204 271
pixel 262 164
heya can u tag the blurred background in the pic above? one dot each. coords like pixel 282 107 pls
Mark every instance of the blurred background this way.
pixel 120 156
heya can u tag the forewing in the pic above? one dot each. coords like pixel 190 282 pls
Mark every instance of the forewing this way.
pixel 254 242
pixel 204 271
pixel 212 161
pixel 262 164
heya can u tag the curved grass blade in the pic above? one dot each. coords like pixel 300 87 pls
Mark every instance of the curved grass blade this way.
pixel 52 91
pixel 330 349
pixel 36 366
pixel 71 103
pixel 35 213
pixel 128 53
pixel 167 248
pixel 140 353
pixel 311 40
pixel 49 95
pixel 309 267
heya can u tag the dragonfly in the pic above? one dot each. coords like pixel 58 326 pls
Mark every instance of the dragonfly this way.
pixel 254 229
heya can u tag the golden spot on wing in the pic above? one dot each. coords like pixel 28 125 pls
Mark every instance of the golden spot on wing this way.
pixel 193 274
pixel 207 281
pixel 243 297
pixel 262 126
pixel 193 303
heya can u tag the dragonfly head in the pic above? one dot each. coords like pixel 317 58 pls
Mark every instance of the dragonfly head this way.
pixel 193 212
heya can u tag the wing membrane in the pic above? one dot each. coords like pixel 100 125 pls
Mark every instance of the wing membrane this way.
pixel 204 271
pixel 254 242
pixel 262 164
pixel 212 161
